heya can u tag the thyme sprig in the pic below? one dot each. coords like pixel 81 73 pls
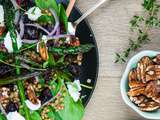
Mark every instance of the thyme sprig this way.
pixel 141 25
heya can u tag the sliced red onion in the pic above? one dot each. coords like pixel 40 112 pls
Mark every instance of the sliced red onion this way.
pixel 56 22
pixel 21 25
pixel 19 2
pixel 58 31
pixel 37 26
pixel 45 30
pixel 29 41
pixel 17 14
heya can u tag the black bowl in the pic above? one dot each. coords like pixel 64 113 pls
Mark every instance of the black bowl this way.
pixel 90 64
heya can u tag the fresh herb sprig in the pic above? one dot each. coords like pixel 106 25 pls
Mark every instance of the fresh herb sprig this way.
pixel 141 25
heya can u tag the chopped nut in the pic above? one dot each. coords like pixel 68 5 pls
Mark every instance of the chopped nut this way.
pixel 150 106
pixel 136 91
pixel 142 65
pixel 157 59
pixel 152 72
pixel 133 81
pixel 138 99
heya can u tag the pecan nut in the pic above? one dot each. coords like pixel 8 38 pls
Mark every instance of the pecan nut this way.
pixel 133 80
pixel 2 29
pixel 152 72
pixel 43 51
pixel 31 95
pixel 149 106
pixel 142 65
pixel 157 59
pixel 138 99
pixel 136 91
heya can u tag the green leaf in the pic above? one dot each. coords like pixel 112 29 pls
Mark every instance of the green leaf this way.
pixel 2 117
pixel 51 115
pixel 149 4
pixel 63 17
pixel 3 56
pixel 35 116
pixel 46 19
pixel 47 4
pixel 41 80
pixel 51 60
pixel 65 75
pixel 45 64
pixel 72 110
pixel 61 60
pixel 58 85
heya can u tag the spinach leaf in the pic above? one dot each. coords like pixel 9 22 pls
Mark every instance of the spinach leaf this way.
pixel 63 17
pixel 35 116
pixel 46 19
pixel 2 117
pixel 47 4
pixel 58 85
pixel 72 110
pixel 53 115
pixel 64 75
pixel 51 60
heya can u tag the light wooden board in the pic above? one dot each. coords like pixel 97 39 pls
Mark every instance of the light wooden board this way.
pixel 110 25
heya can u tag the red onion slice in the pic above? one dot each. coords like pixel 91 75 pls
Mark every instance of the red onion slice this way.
pixel 21 25
pixel 56 22
pixel 37 26
pixel 58 30
pixel 17 14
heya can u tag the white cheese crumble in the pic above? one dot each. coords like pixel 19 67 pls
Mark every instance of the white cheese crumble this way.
pixel 32 106
pixel 14 116
pixel 71 29
pixel 1 16
pixel 34 13
pixel 8 42
pixel 74 90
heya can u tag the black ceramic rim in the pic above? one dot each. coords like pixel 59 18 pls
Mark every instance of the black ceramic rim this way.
pixel 92 65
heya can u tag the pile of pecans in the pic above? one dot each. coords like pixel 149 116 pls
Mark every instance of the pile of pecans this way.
pixel 144 84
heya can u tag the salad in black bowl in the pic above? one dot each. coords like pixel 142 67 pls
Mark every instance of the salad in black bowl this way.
pixel 40 62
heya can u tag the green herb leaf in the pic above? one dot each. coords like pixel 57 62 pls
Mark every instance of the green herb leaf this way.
pixel 47 4
pixel 51 60
pixel 63 17
pixel 148 4
pixel 141 25
pixel 2 117
pixel 46 19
